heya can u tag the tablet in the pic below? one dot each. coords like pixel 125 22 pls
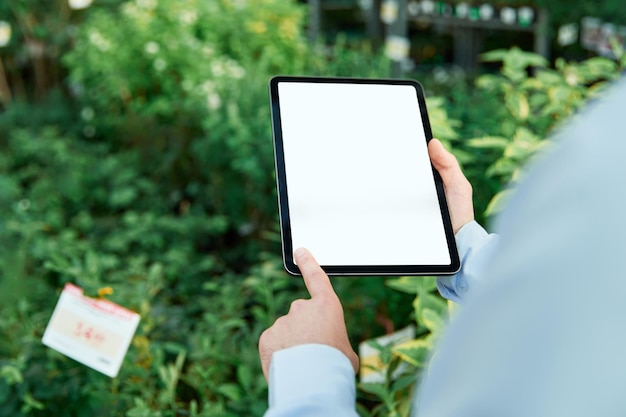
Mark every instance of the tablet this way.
pixel 355 183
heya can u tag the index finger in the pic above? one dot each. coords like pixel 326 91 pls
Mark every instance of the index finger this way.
pixel 315 279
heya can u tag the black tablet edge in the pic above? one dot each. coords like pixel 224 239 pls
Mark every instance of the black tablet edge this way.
pixel 283 201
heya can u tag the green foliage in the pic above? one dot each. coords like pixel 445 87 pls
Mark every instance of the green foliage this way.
pixel 405 361
pixel 537 100
pixel 153 176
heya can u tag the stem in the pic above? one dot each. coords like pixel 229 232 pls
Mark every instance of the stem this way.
pixel 5 91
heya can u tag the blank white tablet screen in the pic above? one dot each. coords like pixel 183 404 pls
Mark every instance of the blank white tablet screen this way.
pixel 359 180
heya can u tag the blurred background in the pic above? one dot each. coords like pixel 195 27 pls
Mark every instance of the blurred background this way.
pixel 136 162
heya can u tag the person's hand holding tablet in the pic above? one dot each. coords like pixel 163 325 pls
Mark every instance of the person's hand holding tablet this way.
pixel 320 319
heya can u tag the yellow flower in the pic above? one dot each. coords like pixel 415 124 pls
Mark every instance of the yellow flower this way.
pixel 105 291
pixel 257 27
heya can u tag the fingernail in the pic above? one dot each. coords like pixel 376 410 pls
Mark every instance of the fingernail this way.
pixel 300 252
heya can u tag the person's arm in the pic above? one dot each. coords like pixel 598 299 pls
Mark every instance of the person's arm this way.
pixel 473 242
pixel 312 363
pixel 311 380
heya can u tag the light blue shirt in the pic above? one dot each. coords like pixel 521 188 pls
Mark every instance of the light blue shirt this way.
pixel 542 332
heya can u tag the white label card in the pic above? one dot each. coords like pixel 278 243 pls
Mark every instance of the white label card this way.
pixel 94 332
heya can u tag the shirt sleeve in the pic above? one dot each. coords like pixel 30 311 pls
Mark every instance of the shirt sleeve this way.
pixel 311 380
pixel 475 246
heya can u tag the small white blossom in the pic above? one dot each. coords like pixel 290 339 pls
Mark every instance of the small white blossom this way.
pixel 218 68
pixel 99 41
pixel 79 4
pixel 147 4
pixel 87 114
pixel 213 101
pixel 151 48
pixel 5 33
pixel 235 70
pixel 571 78
pixel 160 64
pixel 89 131
pixel 188 17
pixel 23 205
pixel 207 87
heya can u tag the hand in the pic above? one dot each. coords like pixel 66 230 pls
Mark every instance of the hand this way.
pixel 317 320
pixel 457 187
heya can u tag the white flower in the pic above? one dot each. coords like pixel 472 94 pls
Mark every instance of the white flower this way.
pixel 160 64
pixel 188 17
pixel 571 78
pixel 397 47
pixel 235 71
pixel 87 114
pixel 151 48
pixel 208 87
pixel 99 41
pixel 79 4
pixel 89 131
pixel 147 4
pixel 218 68
pixel 440 75
pixel 23 205
pixel 5 33
pixel 213 101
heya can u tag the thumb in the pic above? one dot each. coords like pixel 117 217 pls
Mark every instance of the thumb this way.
pixel 440 157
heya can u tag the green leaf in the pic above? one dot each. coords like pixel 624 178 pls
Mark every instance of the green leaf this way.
pixel 11 374
pixel 498 202
pixel 488 142
pixel 515 58
pixel 496 55
pixel 416 352
pixel 244 376
pixel 426 300
pixel 525 144
pixel 230 391
pixel 432 320
pixel 596 68
pixel 517 103
pixel 403 382
pixel 412 284
pixel 490 82
pixel 379 390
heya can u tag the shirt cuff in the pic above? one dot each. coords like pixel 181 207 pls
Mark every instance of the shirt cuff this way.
pixel 468 236
pixel 471 240
pixel 311 373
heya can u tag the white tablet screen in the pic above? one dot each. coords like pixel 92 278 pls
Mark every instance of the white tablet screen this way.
pixel 359 181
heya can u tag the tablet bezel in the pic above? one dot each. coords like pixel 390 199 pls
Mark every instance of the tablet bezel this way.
pixel 283 199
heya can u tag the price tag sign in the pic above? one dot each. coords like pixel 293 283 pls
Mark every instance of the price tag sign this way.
pixel 94 332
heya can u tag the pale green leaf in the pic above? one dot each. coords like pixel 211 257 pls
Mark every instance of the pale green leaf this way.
pixel 432 320
pixel 498 202
pixel 416 352
pixel 488 142
pixel 517 103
